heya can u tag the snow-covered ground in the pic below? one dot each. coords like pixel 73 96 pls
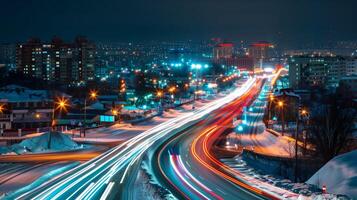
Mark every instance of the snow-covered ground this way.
pixel 339 175
pixel 120 132
pixel 254 135
pixel 47 142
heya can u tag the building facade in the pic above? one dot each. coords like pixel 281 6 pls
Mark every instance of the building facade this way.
pixel 260 52
pixel 24 108
pixel 57 61
pixel 223 51
pixel 324 71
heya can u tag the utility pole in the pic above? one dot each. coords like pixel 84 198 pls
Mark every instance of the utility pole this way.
pixel 296 146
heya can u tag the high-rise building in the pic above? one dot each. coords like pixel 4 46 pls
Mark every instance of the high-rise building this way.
pixel 324 71
pixel 260 53
pixel 84 59
pixel 57 61
pixel 351 66
pixel 223 51
pixel 8 55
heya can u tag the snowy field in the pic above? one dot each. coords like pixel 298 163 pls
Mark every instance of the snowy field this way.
pixel 254 135
pixel 339 175
pixel 47 142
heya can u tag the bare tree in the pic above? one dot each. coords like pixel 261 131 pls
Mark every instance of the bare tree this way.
pixel 331 126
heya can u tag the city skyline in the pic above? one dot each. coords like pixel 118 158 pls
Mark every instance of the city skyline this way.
pixel 169 99
pixel 288 23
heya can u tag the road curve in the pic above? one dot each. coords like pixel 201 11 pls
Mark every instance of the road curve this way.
pixel 186 165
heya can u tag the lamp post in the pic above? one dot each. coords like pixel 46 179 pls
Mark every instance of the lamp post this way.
pixel 172 91
pixel 60 104
pixel 159 95
pixel 197 67
pixel 303 113
pixel 270 103
pixel 92 95
pixel 2 108
pixel 115 113
pixel 281 105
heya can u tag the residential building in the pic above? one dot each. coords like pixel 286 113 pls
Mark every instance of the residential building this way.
pixel 8 55
pixel 323 71
pixel 25 108
pixel 260 52
pixel 57 61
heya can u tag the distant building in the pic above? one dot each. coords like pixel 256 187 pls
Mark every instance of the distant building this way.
pixel 57 61
pixel 241 62
pixel 351 66
pixel 351 83
pixel 260 53
pixel 223 55
pixel 223 51
pixel 8 55
pixel 324 71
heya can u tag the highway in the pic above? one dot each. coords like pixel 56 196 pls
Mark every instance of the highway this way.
pixel 187 165
pixel 96 178
pixel 73 155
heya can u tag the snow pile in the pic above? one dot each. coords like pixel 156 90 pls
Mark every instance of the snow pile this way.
pixel 48 142
pixel 339 175
pixel 5 151
pixel 276 185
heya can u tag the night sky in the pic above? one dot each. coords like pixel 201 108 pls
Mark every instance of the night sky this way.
pixel 288 22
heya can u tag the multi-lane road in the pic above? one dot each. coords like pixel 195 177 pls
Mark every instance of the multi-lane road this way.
pixel 187 165
pixel 101 176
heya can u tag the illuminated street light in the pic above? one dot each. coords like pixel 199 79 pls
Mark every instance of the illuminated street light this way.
pixel 303 112
pixel 37 116
pixel 62 104
pixel 115 112
pixel 92 95
pixel 2 108
pixel 280 104
pixel 172 89
pixel 159 94
pixel 271 97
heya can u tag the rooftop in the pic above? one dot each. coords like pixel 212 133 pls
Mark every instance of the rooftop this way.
pixel 15 93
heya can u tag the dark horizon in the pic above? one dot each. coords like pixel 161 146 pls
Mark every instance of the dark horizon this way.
pixel 287 23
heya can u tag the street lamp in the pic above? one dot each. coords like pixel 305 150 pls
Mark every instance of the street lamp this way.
pixel 300 114
pixel 172 91
pixel 92 96
pixel 271 97
pixel 60 104
pixel 281 105
pixel 115 112
pixel 37 116
pixel 160 94
pixel 2 108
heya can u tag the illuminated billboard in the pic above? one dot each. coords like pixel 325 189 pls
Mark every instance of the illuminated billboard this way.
pixel 106 118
